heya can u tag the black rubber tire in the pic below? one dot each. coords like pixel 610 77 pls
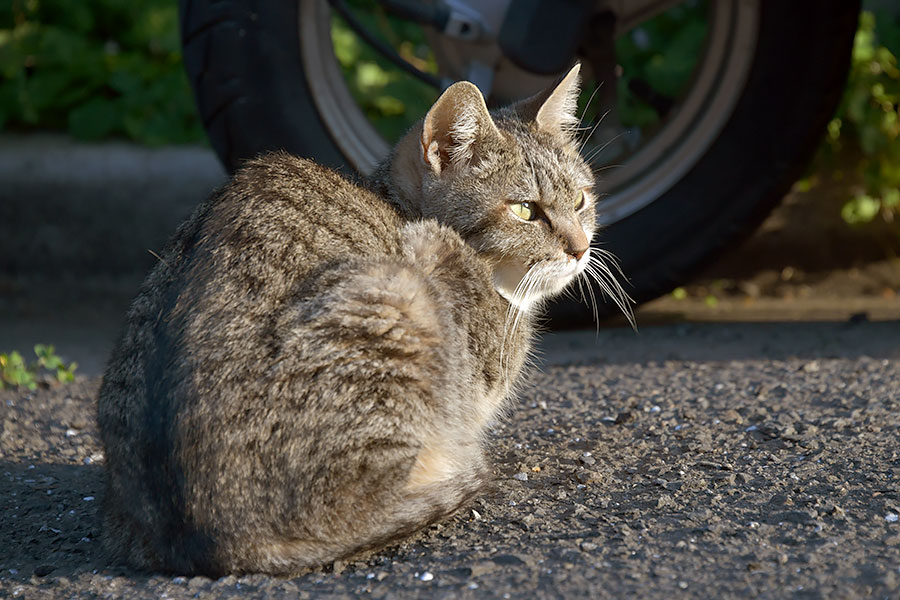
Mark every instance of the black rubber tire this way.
pixel 243 60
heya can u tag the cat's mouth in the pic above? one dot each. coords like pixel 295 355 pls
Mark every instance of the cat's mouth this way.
pixel 524 285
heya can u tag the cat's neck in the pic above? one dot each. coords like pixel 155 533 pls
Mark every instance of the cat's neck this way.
pixel 398 179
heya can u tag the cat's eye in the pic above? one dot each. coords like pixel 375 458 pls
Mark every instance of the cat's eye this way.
pixel 524 210
pixel 581 200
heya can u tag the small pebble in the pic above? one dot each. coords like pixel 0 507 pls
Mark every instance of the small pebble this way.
pixel 891 517
pixel 88 498
pixel 44 570
pixel 426 576
pixel 521 476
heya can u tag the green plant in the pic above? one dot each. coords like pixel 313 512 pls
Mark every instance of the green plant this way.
pixel 95 68
pixel 391 99
pixel 868 120
pixel 14 372
pixel 659 57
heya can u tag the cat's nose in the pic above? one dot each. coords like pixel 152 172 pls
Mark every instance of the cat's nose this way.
pixel 577 254
pixel 575 241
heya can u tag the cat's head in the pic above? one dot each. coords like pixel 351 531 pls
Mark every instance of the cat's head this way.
pixel 511 182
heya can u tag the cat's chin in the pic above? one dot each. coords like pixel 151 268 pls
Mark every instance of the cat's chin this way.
pixel 524 287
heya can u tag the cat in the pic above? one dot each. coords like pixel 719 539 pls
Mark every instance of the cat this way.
pixel 309 371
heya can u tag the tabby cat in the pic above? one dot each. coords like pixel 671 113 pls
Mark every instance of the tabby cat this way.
pixel 309 370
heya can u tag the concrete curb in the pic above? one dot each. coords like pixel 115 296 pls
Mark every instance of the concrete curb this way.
pixel 74 210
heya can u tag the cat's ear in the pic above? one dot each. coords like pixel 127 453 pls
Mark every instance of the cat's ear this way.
pixel 554 110
pixel 455 127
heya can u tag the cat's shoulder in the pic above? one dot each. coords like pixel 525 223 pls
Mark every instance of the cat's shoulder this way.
pixel 282 172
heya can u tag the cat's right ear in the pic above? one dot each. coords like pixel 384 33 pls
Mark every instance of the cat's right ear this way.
pixel 455 127
pixel 554 110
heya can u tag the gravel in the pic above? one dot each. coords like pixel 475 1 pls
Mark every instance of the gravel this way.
pixel 687 461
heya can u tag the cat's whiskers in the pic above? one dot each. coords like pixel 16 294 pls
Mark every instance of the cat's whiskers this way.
pixel 587 106
pixel 513 314
pixel 584 277
pixel 602 168
pixel 596 151
pixel 606 279
pixel 593 129
pixel 580 281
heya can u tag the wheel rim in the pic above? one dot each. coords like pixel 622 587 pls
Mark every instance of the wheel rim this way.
pixel 683 138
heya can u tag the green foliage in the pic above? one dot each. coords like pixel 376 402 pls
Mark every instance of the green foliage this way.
pixel 14 372
pixel 95 68
pixel 660 53
pixel 868 120
pixel 391 99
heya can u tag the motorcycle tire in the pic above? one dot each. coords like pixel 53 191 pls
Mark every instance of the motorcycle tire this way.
pixel 243 59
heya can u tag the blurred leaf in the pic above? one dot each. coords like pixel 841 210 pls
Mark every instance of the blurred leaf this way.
pixel 66 374
pixel 860 209
pixel 803 185
pixel 14 372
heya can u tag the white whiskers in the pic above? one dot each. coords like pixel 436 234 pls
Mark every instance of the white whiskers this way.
pixel 519 303
pixel 602 268
pixel 593 129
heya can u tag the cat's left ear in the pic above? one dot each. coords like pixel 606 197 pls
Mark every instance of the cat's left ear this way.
pixel 456 128
pixel 554 110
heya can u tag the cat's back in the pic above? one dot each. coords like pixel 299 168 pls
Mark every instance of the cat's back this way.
pixel 284 213
pixel 280 221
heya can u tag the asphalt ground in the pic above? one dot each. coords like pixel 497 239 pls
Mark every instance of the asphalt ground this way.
pixel 690 460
